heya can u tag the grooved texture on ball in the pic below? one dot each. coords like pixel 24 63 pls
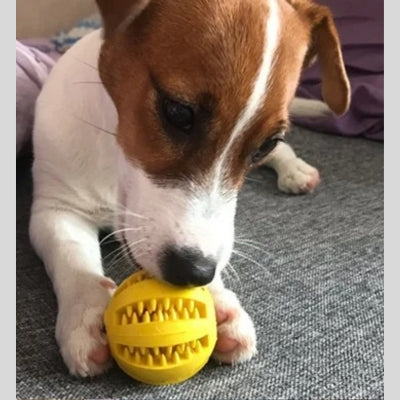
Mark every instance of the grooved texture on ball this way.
pixel 159 333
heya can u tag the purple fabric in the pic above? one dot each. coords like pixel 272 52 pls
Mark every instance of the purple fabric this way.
pixel 360 27
pixel 34 60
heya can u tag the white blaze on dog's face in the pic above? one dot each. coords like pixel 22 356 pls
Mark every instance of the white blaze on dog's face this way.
pixel 187 231
pixel 199 87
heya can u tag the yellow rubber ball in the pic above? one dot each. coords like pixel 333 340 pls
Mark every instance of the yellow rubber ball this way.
pixel 158 333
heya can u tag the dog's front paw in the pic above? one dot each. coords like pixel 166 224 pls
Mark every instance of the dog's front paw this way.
pixel 236 334
pixel 81 337
pixel 297 177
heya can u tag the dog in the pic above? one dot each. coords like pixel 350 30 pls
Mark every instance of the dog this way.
pixel 149 126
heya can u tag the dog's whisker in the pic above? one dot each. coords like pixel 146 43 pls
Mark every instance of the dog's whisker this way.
pixel 117 252
pixel 242 239
pixel 123 210
pixel 127 213
pixel 120 249
pixel 134 243
pixel 253 180
pixel 85 63
pixel 252 246
pixel 119 231
pixel 236 275
pixel 246 257
pixel 233 270
pixel 118 240
pixel 228 277
pixel 95 126
pixel 111 240
pixel 122 252
pixel 123 255
pixel 124 245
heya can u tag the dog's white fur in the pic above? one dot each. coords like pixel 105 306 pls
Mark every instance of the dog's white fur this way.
pixel 82 182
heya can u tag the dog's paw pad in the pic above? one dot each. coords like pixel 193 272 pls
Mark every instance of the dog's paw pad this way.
pixel 82 341
pixel 298 177
pixel 312 182
pixel 226 314
pixel 234 345
pixel 84 355
pixel 236 334
pixel 100 354
pixel 225 344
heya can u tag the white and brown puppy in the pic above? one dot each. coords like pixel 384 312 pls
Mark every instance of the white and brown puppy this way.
pixel 149 127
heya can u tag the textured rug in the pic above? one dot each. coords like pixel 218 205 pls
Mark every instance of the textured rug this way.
pixel 315 290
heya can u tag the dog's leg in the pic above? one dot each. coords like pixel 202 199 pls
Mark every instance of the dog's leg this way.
pixel 68 245
pixel 294 174
pixel 236 333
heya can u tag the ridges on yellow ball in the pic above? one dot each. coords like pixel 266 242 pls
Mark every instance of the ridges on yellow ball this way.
pixel 159 333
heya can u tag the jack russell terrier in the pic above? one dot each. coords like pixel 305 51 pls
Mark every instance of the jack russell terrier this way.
pixel 149 127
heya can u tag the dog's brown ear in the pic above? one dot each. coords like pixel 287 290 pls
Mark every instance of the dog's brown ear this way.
pixel 325 46
pixel 117 14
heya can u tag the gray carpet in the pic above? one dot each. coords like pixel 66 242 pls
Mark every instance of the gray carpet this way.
pixel 317 299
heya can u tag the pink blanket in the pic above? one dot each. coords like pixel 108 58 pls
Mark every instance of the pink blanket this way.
pixel 34 60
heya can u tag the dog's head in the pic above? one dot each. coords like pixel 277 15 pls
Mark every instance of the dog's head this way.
pixel 200 88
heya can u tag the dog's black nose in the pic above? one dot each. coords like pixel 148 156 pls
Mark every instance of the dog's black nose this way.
pixel 186 267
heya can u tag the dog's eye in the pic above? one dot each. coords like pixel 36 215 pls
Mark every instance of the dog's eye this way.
pixel 266 148
pixel 179 115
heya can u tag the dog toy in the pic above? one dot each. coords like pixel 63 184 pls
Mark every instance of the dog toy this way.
pixel 158 333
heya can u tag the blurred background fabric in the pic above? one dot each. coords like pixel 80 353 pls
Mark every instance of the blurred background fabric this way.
pixel 360 27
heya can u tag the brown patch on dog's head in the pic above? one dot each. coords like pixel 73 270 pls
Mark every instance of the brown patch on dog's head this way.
pixel 206 55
